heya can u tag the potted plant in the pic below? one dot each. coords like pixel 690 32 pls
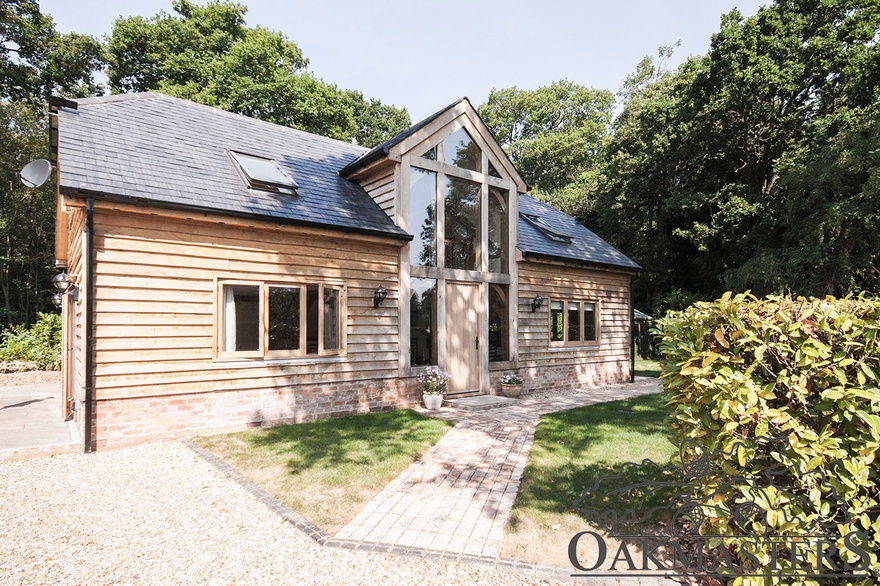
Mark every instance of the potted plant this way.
pixel 511 385
pixel 433 387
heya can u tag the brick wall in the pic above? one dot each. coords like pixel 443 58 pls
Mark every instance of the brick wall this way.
pixel 564 377
pixel 120 422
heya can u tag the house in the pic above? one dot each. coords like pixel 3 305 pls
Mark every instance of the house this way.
pixel 225 271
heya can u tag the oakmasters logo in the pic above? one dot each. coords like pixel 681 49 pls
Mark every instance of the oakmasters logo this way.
pixel 695 518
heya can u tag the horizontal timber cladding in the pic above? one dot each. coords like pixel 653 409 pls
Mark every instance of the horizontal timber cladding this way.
pixel 380 186
pixel 546 366
pixel 155 306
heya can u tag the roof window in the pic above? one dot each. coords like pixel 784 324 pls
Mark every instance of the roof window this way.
pixel 264 174
pixel 546 229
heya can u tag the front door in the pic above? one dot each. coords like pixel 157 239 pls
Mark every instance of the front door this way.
pixel 463 336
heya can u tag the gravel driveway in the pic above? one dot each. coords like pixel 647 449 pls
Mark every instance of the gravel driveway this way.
pixel 158 514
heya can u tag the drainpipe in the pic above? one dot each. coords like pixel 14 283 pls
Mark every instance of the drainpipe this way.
pixel 88 323
pixel 632 326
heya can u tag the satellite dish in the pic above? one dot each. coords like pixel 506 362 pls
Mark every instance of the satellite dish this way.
pixel 35 173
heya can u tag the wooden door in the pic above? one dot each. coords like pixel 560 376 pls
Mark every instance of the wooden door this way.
pixel 463 314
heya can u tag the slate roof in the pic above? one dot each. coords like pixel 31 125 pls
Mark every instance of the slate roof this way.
pixel 152 148
pixel 584 246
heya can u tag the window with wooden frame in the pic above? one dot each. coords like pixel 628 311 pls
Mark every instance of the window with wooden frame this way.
pixel 277 321
pixel 574 323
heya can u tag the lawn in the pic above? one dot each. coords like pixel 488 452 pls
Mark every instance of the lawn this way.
pixel 328 470
pixel 572 451
pixel 647 368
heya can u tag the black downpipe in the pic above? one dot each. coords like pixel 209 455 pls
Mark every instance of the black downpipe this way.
pixel 632 331
pixel 88 274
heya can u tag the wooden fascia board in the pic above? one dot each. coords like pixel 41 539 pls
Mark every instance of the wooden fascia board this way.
pixel 412 141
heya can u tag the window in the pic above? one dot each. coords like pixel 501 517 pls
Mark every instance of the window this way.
pixel 498 231
pixel 574 322
pixel 462 214
pixel 422 220
pixel 460 150
pixel 423 322
pixel 546 229
pixel 260 320
pixel 499 331
pixel 264 174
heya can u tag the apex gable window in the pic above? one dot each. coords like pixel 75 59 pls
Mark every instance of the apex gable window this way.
pixel 263 320
pixel 264 174
pixel 574 323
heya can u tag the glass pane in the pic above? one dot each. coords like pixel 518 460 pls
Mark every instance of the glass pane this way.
pixel 422 190
pixel 574 322
pixel 556 332
pixel 284 327
pixel 590 322
pixel 460 150
pixel 312 319
pixel 423 322
pixel 462 213
pixel 430 154
pixel 493 171
pixel 331 318
pixel 498 222
pixel 498 324
pixel 241 318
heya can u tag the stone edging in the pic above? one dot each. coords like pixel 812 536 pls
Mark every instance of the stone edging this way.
pixel 321 537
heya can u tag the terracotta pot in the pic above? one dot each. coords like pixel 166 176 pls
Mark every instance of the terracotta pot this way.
pixel 511 390
pixel 432 401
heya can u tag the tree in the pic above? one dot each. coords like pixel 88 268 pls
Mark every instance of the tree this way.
pixel 553 134
pixel 37 61
pixel 208 55
pixel 27 217
pixel 750 167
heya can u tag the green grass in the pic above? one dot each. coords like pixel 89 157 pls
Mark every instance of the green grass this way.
pixel 328 470
pixel 574 450
pixel 647 368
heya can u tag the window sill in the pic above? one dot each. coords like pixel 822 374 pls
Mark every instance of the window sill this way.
pixel 569 347
pixel 260 362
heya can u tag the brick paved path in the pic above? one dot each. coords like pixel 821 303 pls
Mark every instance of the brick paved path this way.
pixel 457 497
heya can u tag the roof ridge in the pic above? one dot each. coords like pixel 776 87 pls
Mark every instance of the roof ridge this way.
pixel 111 98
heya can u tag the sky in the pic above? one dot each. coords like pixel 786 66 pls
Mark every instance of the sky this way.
pixel 426 55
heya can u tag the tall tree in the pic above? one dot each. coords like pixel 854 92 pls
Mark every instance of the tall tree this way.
pixel 553 134
pixel 37 61
pixel 26 216
pixel 744 168
pixel 207 54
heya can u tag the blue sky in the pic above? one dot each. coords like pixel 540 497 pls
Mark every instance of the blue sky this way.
pixel 425 55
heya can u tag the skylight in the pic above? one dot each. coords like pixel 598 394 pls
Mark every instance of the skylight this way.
pixel 264 174
pixel 546 229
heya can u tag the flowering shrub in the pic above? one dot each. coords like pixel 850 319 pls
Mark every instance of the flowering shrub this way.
pixel 434 380
pixel 511 379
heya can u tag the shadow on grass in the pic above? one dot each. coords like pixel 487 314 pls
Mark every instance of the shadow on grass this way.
pixel 590 451
pixel 348 443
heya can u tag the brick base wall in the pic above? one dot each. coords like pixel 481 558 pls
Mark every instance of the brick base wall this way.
pixel 120 422
pixel 564 377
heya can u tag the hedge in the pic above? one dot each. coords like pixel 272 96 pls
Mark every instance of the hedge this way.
pixel 784 393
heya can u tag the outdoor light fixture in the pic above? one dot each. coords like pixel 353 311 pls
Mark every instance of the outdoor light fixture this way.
pixel 537 302
pixel 62 282
pixel 379 296
pixel 57 299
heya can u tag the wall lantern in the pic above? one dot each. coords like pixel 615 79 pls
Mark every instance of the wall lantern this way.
pixel 379 296
pixel 537 302
pixel 62 282
pixel 64 285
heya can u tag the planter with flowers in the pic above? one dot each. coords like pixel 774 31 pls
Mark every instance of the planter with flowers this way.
pixel 433 387
pixel 511 385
